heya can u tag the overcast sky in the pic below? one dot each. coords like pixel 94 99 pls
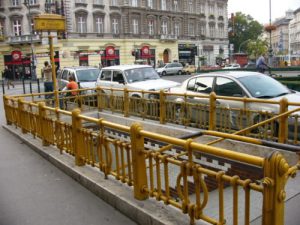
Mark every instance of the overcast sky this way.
pixel 259 9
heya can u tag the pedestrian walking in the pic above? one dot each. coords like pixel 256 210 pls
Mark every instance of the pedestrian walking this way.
pixel 48 82
pixel 8 75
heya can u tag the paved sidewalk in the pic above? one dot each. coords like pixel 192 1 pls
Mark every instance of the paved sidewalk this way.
pixel 35 192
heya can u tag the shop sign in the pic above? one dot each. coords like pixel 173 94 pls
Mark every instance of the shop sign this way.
pixel 16 55
pixel 110 52
pixel 49 22
pixel 145 51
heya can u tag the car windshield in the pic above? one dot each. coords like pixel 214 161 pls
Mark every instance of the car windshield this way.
pixel 88 75
pixel 141 74
pixel 262 86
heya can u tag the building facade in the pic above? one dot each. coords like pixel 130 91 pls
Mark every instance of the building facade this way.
pixel 295 38
pixel 110 32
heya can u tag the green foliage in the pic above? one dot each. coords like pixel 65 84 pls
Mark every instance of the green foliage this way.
pixel 256 48
pixel 243 28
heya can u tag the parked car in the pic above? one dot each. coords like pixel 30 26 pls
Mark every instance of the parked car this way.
pixel 133 77
pixel 232 66
pixel 189 69
pixel 251 65
pixel 170 68
pixel 239 84
pixel 85 76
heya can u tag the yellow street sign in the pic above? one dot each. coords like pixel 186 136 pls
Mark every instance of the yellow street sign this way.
pixel 49 22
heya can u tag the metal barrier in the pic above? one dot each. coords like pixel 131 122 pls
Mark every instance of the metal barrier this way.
pixel 151 170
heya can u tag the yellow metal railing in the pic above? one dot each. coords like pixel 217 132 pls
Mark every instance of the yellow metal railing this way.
pixel 152 171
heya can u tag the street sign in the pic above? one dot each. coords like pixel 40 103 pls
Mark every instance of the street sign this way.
pixel 49 22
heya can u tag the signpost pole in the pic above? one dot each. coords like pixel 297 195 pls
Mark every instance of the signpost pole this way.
pixel 53 71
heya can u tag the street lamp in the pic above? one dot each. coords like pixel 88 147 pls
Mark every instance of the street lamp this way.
pixel 32 64
pixel 270 44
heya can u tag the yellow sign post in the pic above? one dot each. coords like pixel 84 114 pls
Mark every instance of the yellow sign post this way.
pixel 51 22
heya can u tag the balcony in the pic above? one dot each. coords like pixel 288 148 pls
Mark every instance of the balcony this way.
pixel 24 39
pixel 81 3
pixel 168 37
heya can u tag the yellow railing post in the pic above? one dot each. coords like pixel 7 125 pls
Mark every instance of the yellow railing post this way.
pixel 21 117
pixel 283 121
pixel 43 127
pixel 126 102
pixel 78 147
pixel 138 162
pixel 162 107
pixel 212 111
pixel 7 110
pixel 275 178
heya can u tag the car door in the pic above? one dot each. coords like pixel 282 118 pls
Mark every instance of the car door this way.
pixel 118 81
pixel 105 80
pixel 229 111
pixel 198 110
pixel 64 79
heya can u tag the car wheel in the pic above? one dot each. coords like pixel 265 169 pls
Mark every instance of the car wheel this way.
pixel 179 72
pixel 164 73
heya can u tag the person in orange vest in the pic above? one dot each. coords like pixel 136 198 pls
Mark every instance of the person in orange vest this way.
pixel 72 85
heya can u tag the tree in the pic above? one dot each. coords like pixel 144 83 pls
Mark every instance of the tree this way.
pixel 242 28
pixel 256 48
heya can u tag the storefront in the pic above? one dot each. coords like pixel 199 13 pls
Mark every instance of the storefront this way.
pixel 187 53
pixel 19 64
pixel 110 56
pixel 145 56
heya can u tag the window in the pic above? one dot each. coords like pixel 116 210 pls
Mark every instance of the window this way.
pixel 227 87
pixel 115 26
pixel 163 5
pixel 134 3
pixel 114 2
pixel 191 6
pixel 17 27
pixel 118 77
pixel 201 85
pixel 15 2
pixel 176 6
pixel 150 4
pixel 212 30
pixel 202 29
pixel 211 9
pixel 2 24
pixel 135 26
pixel 151 27
pixel 164 27
pixel 191 29
pixel 99 25
pixel 202 8
pixel 177 29
pixel 220 10
pixel 32 2
pixel 221 30
pixel 81 24
pixel 106 75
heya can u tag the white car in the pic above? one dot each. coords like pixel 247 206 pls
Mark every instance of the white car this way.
pixel 232 66
pixel 133 77
pixel 85 76
pixel 239 84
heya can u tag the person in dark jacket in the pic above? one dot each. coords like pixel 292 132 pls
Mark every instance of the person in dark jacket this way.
pixel 8 75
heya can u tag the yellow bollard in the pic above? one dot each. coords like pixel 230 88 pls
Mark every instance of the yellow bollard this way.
pixel 126 102
pixel 212 111
pixel 162 107
pixel 138 162
pixel 283 121
pixel 77 143
pixel 276 175
pixel 43 127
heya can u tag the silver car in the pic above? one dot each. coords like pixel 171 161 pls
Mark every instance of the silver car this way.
pixel 170 68
pixel 239 84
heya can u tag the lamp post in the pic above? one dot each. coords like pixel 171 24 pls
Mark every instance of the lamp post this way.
pixel 270 43
pixel 32 64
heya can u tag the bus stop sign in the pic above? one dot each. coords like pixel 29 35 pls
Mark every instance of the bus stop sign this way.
pixel 49 22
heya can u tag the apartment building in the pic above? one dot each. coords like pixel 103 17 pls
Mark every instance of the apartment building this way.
pixel 110 32
pixel 295 38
